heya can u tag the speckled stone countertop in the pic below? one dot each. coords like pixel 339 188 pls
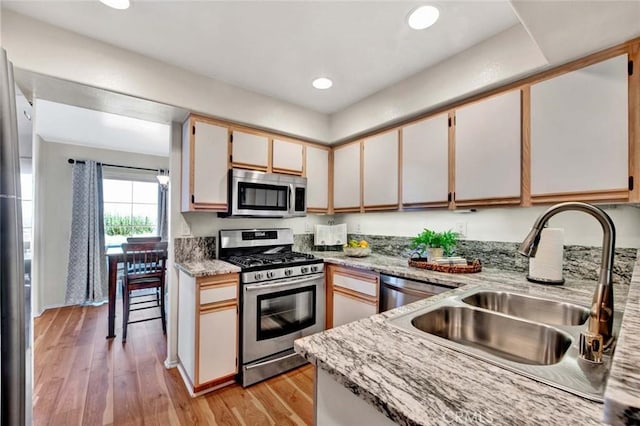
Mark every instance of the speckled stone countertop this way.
pixel 416 382
pixel 206 267
pixel 622 396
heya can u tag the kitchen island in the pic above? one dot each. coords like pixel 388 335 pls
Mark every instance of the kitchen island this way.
pixel 413 381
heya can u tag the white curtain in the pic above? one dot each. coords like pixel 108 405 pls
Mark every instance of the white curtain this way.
pixel 87 269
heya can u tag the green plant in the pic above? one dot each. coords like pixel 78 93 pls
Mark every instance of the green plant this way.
pixel 127 225
pixel 431 239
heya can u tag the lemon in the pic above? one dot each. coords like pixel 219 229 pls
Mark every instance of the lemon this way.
pixel 364 244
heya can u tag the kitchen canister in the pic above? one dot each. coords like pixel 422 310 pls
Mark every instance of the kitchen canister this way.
pixel 546 266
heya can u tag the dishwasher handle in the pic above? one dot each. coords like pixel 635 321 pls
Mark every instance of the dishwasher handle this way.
pixel 414 287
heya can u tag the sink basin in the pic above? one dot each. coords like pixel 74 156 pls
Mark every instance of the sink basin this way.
pixel 531 308
pixel 535 337
pixel 502 336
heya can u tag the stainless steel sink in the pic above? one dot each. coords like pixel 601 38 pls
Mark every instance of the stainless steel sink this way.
pixel 502 336
pixel 529 307
pixel 531 336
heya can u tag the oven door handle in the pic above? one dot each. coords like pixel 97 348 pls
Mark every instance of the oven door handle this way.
pixel 281 284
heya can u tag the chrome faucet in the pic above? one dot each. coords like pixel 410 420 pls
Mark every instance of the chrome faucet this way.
pixel 599 333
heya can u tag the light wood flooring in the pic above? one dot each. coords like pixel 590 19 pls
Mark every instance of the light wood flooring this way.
pixel 82 378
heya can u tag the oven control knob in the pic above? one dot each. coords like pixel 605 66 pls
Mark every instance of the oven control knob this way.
pixel 314 269
pixel 270 274
pixel 304 270
pixel 257 276
pixel 288 272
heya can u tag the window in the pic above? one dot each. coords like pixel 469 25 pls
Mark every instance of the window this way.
pixel 27 209
pixel 130 208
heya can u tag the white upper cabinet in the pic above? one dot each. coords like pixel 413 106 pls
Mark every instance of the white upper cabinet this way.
pixel 287 156
pixel 250 149
pixel 346 176
pixel 381 170
pixel 425 161
pixel 317 178
pixel 204 166
pixel 487 149
pixel 579 130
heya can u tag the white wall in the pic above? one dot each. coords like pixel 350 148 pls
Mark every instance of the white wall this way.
pixel 36 46
pixel 497 60
pixel 500 224
pixel 53 210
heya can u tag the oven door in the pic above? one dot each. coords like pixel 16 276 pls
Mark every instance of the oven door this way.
pixel 276 313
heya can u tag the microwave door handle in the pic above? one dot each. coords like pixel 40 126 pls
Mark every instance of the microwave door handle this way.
pixel 290 206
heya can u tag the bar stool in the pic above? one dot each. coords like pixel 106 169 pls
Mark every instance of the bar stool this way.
pixel 144 267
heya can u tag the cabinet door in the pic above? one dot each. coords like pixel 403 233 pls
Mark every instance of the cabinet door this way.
pixel 317 169
pixel 218 337
pixel 287 156
pixel 349 308
pixel 346 177
pixel 579 130
pixel 381 170
pixel 250 150
pixel 209 167
pixel 487 150
pixel 425 162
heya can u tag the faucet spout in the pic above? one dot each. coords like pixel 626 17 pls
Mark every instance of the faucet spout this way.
pixel 599 333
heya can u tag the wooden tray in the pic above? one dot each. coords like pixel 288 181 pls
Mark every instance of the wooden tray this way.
pixel 472 266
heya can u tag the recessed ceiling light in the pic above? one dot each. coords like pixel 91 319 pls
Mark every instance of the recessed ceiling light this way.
pixel 116 4
pixel 322 83
pixel 423 17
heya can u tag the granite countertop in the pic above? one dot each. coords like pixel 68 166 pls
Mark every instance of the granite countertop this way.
pixel 206 268
pixel 414 381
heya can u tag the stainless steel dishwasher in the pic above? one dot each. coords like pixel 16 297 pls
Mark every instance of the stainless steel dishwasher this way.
pixel 397 291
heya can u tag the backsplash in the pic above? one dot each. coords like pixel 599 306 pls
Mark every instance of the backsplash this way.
pixel 579 261
pixel 194 248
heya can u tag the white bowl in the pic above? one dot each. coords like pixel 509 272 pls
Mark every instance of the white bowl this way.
pixel 357 251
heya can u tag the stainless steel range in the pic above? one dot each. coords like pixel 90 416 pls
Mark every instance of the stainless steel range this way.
pixel 282 298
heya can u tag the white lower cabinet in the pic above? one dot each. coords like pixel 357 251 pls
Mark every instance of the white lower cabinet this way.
pixel 347 308
pixel 207 331
pixel 352 294
pixel 218 339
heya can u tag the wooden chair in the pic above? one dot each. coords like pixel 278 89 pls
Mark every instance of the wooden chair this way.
pixel 144 239
pixel 145 266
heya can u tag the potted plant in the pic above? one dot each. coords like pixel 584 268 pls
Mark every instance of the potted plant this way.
pixel 431 244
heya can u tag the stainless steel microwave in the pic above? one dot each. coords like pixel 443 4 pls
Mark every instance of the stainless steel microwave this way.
pixel 259 194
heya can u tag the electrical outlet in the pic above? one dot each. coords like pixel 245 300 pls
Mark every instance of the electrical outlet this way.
pixel 461 229
pixel 358 228
pixel 308 228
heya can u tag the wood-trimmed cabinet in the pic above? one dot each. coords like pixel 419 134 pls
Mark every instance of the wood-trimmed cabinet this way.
pixel 204 165
pixel 288 157
pixel 317 171
pixel 352 294
pixel 249 150
pixel 425 163
pixel 487 151
pixel 380 165
pixel 580 134
pixel 208 331
pixel 347 177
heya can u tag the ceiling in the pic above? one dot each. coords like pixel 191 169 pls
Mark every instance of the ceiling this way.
pixel 278 47
pixel 79 126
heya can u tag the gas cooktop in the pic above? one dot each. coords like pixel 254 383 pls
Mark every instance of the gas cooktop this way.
pixel 278 259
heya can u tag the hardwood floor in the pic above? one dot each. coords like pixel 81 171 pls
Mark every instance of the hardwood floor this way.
pixel 82 378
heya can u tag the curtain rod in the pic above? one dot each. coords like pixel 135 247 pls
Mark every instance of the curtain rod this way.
pixel 71 161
